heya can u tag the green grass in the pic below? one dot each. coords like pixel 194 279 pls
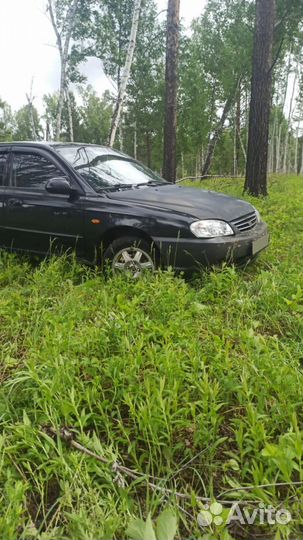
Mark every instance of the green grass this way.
pixel 152 373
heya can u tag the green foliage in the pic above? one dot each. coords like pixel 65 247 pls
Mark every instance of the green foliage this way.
pixel 95 117
pixel 213 60
pixel 91 118
pixel 6 122
pixel 104 29
pixel 105 26
pixel 23 126
pixel 215 55
pixel 144 103
pixel 165 529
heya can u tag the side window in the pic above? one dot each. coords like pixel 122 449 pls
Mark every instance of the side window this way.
pixel 33 171
pixel 3 161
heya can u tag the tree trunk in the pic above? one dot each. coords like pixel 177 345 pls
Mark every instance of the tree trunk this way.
pixel 171 90
pixel 242 148
pixel 271 160
pixel 47 131
pixel 278 149
pixel 285 155
pixel 63 51
pixel 212 118
pixel 296 151
pixel 240 144
pixel 197 166
pixel 148 149
pixel 279 134
pixel 135 140
pixel 274 147
pixel 246 117
pixel 70 117
pixel 261 86
pixel 235 164
pixel 182 165
pixel 126 73
pixel 238 131
pixel 60 99
pixel 216 135
pixel 30 100
pixel 121 132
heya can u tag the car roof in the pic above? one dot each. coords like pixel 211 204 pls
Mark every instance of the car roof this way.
pixel 25 143
pixel 51 144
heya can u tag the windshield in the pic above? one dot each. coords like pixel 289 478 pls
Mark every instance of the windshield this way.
pixel 104 170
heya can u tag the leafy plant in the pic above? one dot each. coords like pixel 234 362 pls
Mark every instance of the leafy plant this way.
pixel 165 527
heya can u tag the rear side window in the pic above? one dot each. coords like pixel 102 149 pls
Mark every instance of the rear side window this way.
pixel 33 171
pixel 3 162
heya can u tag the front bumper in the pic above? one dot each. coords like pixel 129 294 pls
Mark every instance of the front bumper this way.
pixel 189 254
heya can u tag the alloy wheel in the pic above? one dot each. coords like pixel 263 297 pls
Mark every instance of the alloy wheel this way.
pixel 132 260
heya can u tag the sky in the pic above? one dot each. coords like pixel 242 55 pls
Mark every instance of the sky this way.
pixel 28 50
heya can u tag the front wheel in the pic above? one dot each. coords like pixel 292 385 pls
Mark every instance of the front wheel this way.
pixel 131 255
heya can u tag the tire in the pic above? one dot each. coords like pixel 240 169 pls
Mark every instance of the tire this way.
pixel 131 255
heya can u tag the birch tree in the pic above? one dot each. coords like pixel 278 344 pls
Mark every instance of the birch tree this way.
pixel 143 115
pixel 218 131
pixel 62 17
pixel 220 58
pixel 289 119
pixel 70 116
pixel 126 72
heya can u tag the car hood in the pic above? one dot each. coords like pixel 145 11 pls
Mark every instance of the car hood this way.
pixel 195 202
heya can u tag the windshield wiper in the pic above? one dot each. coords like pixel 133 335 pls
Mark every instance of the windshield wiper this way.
pixel 106 188
pixel 155 183
pixel 117 187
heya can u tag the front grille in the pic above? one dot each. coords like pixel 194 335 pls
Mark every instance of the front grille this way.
pixel 246 223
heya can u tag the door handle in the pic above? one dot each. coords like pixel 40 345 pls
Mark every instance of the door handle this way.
pixel 14 203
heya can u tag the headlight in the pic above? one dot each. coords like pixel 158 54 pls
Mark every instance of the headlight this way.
pixel 257 214
pixel 210 228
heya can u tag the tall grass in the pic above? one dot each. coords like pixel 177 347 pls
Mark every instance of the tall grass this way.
pixel 153 372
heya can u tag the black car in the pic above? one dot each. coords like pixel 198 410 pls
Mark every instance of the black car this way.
pixel 109 207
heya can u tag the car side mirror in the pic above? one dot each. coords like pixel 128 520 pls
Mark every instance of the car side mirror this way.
pixel 59 186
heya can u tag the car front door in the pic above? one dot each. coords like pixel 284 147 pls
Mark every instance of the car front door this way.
pixel 35 220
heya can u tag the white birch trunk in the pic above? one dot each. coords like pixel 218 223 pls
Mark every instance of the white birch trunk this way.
pixel 285 155
pixel 63 47
pixel 296 151
pixel 272 146
pixel 202 154
pixel 279 133
pixel 247 120
pixel 30 100
pixel 235 166
pixel 135 140
pixel 121 132
pixel 278 149
pixel 70 117
pixel 126 72
pixel 182 165
pixel 242 146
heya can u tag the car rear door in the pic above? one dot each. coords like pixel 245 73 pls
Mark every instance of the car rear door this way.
pixel 4 154
pixel 35 220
